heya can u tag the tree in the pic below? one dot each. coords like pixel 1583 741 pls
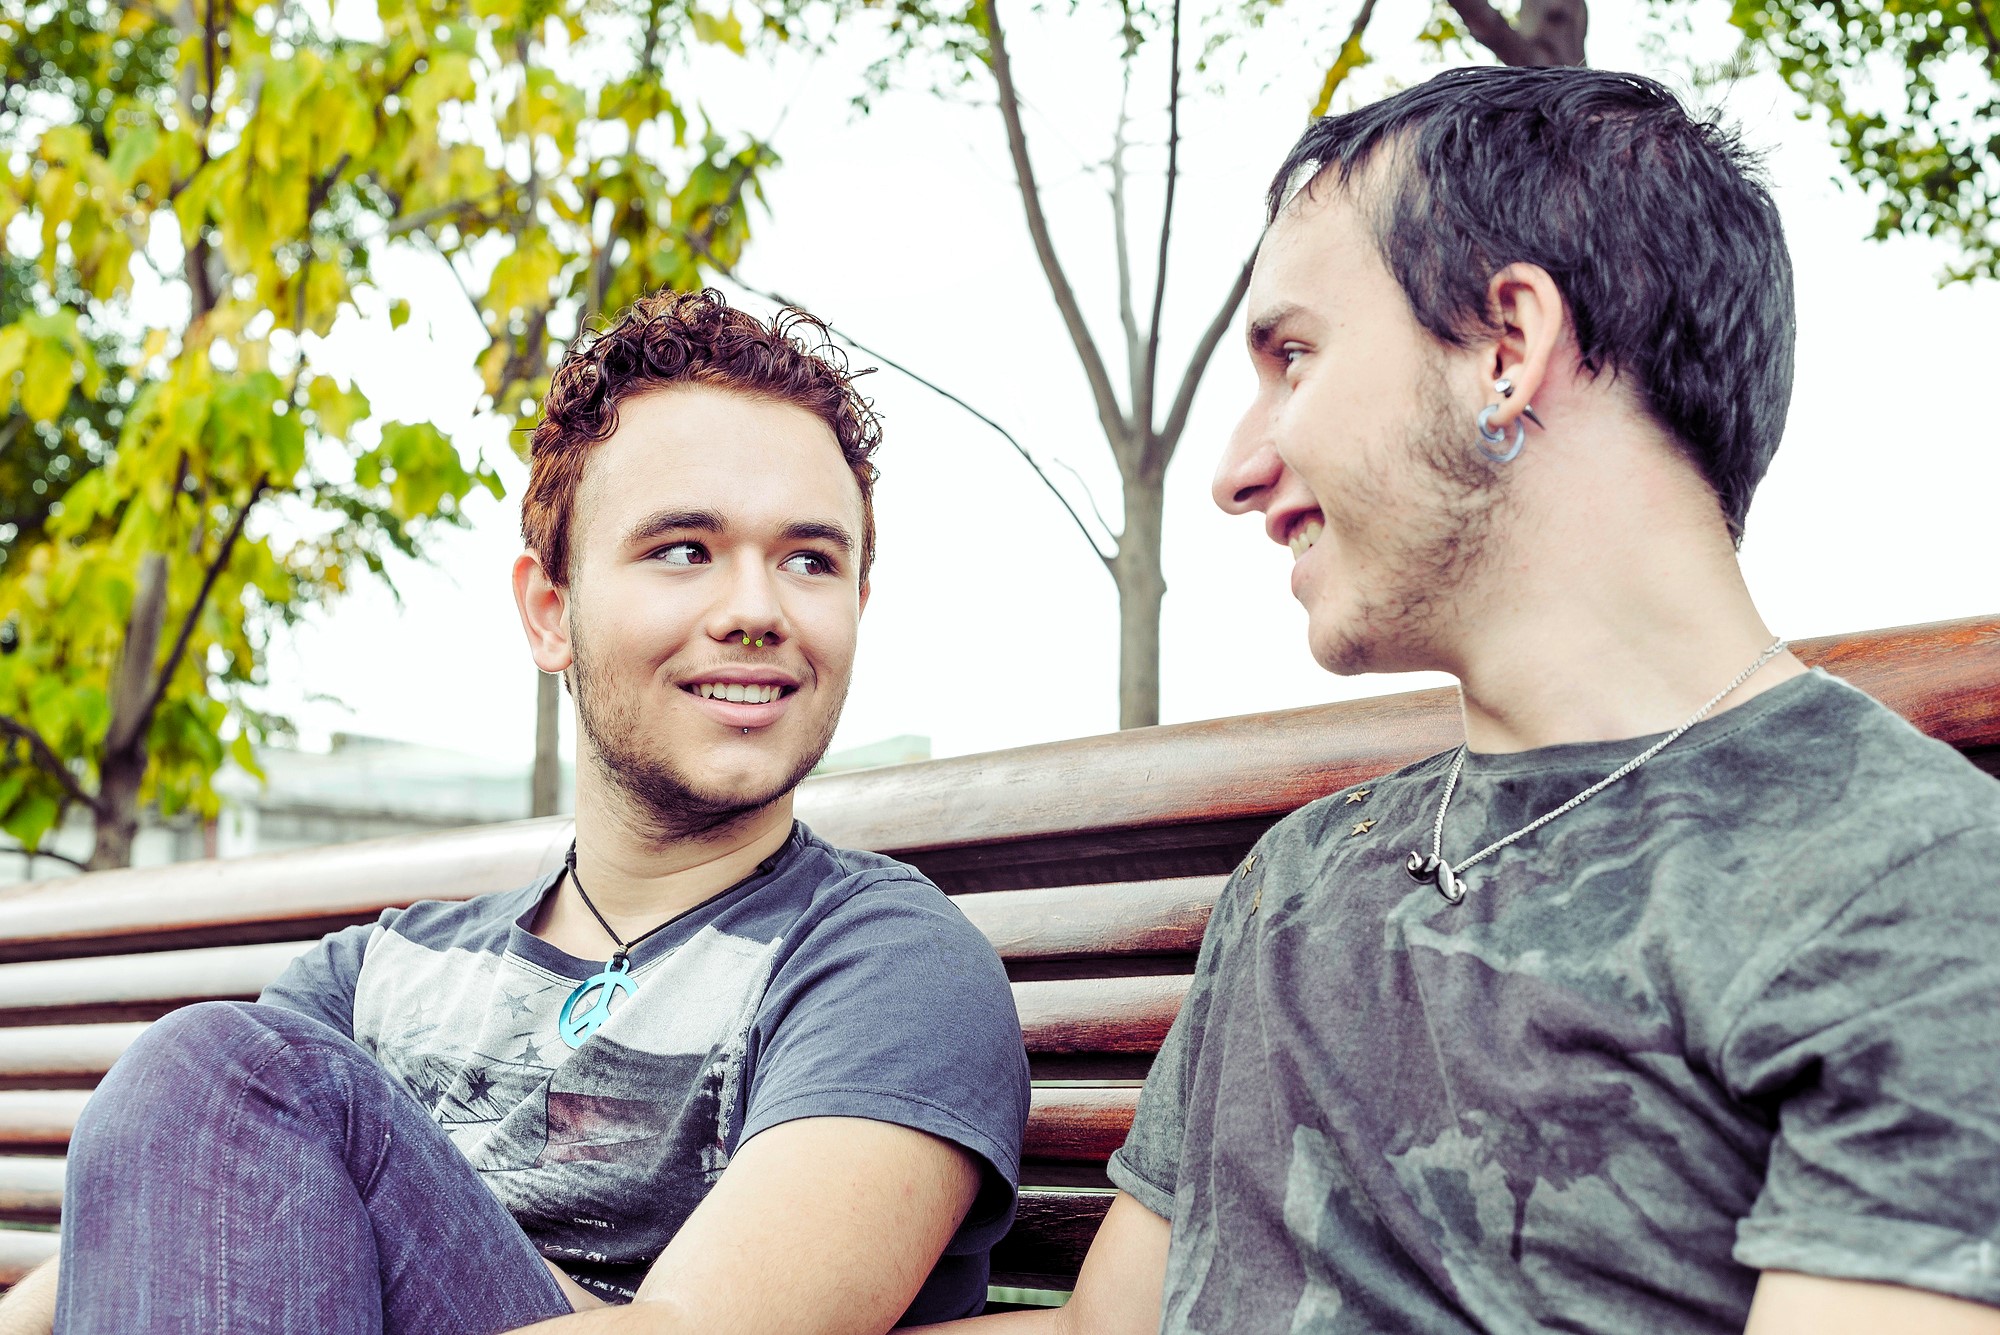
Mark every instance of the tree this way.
pixel 1928 151
pixel 1141 413
pixel 200 190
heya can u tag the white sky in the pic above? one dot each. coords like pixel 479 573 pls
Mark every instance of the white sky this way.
pixel 991 625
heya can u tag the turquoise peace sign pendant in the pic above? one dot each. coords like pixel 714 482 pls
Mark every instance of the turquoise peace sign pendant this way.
pixel 615 977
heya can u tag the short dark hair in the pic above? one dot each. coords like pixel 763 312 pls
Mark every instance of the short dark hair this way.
pixel 1656 226
pixel 687 338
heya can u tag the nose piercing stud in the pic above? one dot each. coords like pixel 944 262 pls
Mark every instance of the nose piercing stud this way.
pixel 759 641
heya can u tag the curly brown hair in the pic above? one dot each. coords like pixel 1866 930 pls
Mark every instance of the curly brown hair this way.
pixel 687 338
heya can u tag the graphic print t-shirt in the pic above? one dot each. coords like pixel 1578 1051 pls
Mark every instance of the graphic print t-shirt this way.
pixel 1739 1012
pixel 832 983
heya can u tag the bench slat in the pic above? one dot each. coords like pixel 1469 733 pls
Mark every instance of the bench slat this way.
pixel 1141 922
pixel 1181 800
pixel 30 1188
pixel 21 1250
pixel 1059 1017
pixel 1052 1231
pixel 1119 920
pixel 1065 1125
pixel 62 1056
pixel 137 987
pixel 39 1120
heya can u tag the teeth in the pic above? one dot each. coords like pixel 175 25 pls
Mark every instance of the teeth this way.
pixel 738 692
pixel 1305 536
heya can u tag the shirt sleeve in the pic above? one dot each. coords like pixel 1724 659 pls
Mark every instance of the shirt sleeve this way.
pixel 320 983
pixel 895 1008
pixel 1147 1166
pixel 1877 1044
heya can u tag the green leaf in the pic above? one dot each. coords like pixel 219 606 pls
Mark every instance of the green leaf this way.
pixel 245 756
pixel 399 314
pixel 720 30
pixel 31 818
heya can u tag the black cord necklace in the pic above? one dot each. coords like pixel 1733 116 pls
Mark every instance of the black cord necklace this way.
pixel 613 978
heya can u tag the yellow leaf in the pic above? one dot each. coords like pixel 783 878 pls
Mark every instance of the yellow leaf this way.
pixel 47 375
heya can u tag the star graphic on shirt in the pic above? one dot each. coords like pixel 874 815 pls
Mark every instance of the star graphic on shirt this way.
pixel 477 1085
pixel 531 1055
pixel 429 1093
pixel 1358 795
pixel 1361 827
pixel 519 1006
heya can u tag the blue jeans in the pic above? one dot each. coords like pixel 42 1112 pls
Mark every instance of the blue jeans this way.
pixel 247 1169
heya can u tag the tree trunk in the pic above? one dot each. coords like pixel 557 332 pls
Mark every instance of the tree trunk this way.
pixel 1141 588
pixel 123 766
pixel 547 780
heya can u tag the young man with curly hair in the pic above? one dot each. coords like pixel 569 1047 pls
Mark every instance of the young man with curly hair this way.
pixel 1669 1001
pixel 713 1075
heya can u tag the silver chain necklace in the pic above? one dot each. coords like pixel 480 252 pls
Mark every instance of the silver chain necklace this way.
pixel 1446 877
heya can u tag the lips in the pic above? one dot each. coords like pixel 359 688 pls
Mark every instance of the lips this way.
pixel 743 698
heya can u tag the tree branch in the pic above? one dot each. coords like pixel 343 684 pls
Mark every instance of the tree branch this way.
pixel 1142 411
pixel 1491 30
pixel 214 572
pixel 32 853
pixel 1978 8
pixel 1548 32
pixel 1116 429
pixel 46 759
pixel 935 388
pixel 1007 435
pixel 1135 352
pixel 1160 448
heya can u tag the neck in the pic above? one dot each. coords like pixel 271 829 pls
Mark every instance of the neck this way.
pixel 1610 626
pixel 638 878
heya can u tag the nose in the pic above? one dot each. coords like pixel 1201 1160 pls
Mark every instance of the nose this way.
pixel 748 608
pixel 1248 473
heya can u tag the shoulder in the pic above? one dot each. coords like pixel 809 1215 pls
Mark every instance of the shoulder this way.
pixel 1850 793
pixel 853 883
pixel 1402 795
pixel 442 923
pixel 866 904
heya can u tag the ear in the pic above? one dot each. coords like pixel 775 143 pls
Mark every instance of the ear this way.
pixel 864 598
pixel 544 608
pixel 1528 309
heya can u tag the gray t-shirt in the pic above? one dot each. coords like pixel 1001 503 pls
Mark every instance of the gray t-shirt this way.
pixel 1739 1012
pixel 831 983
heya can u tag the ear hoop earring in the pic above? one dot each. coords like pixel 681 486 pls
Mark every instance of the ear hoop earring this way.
pixel 1488 437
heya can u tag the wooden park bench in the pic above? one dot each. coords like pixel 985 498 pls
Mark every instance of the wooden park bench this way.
pixel 1091 865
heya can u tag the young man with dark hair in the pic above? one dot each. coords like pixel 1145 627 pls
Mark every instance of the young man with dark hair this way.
pixel 1666 1003
pixel 714 1072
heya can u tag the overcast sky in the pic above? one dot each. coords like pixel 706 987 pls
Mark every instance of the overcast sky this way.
pixel 991 624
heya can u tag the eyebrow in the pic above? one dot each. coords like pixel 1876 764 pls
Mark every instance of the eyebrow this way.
pixel 1263 328
pixel 674 521
pixel 708 521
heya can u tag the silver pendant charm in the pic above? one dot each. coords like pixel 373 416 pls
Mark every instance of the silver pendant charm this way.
pixel 1438 872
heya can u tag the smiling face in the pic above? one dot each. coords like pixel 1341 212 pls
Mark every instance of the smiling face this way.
pixel 708 521
pixel 1357 448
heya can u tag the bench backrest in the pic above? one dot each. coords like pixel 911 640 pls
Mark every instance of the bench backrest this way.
pixel 1091 865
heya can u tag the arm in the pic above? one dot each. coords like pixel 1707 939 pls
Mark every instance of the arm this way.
pixel 30 1306
pixel 1117 1292
pixel 821 1226
pixel 1794 1304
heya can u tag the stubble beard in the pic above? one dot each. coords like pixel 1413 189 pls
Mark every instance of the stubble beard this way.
pixel 1438 498
pixel 669 799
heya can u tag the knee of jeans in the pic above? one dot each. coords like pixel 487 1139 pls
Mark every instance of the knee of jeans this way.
pixel 188 1051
